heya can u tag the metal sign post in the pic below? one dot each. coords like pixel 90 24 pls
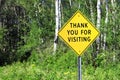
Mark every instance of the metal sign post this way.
pixel 78 33
pixel 79 68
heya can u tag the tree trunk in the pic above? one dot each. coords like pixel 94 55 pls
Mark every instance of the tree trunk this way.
pixel 59 14
pixel 70 2
pixel 97 45
pixel 58 22
pixel 113 2
pixel 93 21
pixel 98 25
pixel 105 28
pixel 91 12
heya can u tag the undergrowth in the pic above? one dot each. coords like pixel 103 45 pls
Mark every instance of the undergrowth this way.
pixel 61 66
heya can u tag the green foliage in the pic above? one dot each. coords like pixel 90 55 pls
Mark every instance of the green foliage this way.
pixel 61 66
pixel 32 40
pixel 1 35
pixel 1 32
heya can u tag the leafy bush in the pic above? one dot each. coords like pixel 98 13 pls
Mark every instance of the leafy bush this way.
pixel 61 66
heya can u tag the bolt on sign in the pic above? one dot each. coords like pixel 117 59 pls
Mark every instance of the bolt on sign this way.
pixel 78 33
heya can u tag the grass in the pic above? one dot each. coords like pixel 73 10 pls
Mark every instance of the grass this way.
pixel 62 66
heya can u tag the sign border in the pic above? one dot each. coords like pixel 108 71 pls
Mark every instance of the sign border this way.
pixel 78 11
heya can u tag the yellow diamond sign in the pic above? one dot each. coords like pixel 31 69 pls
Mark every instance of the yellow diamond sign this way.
pixel 78 33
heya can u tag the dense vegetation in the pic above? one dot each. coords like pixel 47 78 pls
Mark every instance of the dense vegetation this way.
pixel 60 66
pixel 27 30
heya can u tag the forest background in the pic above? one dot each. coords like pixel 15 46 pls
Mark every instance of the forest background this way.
pixel 31 50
